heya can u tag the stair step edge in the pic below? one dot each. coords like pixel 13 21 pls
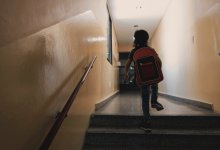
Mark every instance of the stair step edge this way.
pixel 154 131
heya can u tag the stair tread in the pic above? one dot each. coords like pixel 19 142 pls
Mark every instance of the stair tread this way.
pixel 154 131
pixel 137 147
pixel 95 114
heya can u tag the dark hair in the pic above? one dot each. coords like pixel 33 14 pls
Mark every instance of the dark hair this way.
pixel 141 38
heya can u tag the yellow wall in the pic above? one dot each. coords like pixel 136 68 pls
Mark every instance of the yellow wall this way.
pixel 125 47
pixel 187 40
pixel 39 70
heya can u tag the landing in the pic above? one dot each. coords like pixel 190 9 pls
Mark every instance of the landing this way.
pixel 129 103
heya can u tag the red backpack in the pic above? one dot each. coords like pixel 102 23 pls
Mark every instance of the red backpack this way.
pixel 147 66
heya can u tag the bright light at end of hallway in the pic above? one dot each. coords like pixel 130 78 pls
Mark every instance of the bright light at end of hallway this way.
pixel 96 39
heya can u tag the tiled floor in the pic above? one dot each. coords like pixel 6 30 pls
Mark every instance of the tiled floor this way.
pixel 129 103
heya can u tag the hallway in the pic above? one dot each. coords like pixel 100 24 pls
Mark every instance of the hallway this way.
pixel 45 49
pixel 129 103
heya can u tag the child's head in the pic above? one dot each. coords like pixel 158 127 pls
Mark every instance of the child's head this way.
pixel 140 38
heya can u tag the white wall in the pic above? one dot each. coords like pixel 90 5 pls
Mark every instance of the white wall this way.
pixel 188 43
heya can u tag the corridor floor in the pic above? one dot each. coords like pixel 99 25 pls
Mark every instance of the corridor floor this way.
pixel 129 103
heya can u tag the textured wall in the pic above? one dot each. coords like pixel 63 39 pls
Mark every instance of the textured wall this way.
pixel 188 42
pixel 39 71
pixel 20 18
pixel 102 81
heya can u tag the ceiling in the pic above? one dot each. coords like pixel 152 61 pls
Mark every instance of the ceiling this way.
pixel 130 15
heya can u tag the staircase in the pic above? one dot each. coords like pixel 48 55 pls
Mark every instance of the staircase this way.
pixel 121 132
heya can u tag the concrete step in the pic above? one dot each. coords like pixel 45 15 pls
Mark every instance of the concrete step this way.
pixel 165 122
pixel 142 147
pixel 134 138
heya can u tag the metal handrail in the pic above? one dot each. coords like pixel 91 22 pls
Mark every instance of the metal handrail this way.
pixel 61 116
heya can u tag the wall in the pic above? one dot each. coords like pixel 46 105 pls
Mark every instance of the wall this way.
pixel 20 18
pixel 187 40
pixel 42 58
pixel 125 47
pixel 102 82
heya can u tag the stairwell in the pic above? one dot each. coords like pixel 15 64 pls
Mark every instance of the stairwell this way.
pixel 121 132
pixel 180 126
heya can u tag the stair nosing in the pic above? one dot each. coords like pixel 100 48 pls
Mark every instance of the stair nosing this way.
pixel 154 131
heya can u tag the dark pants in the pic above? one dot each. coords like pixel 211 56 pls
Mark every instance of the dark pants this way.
pixel 146 96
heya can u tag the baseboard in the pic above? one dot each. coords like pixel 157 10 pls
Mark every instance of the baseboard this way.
pixel 197 103
pixel 105 100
